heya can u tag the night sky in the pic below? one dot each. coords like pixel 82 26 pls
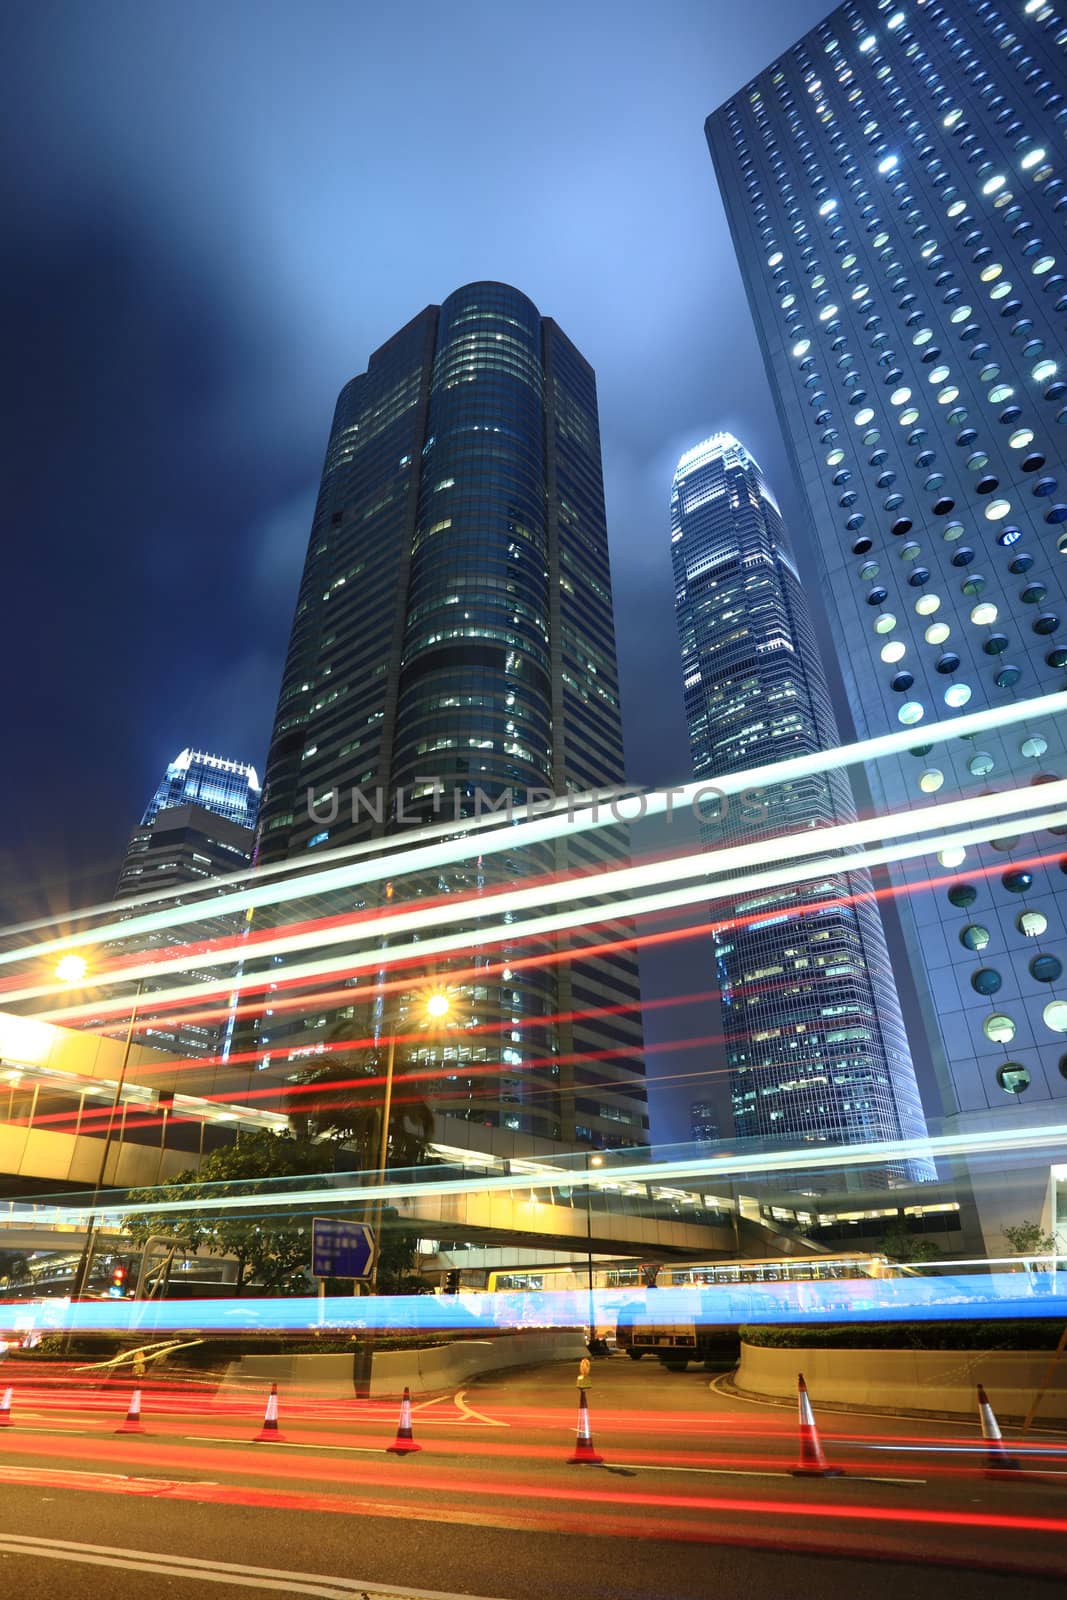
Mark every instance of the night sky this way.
pixel 213 214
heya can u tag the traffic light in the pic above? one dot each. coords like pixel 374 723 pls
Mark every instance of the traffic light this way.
pixel 452 1281
pixel 117 1288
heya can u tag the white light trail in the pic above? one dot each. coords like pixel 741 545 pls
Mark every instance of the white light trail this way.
pixel 449 843
pixel 656 1173
pixel 844 836
pixel 424 950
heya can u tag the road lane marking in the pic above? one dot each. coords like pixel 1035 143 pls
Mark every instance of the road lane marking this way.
pixel 281 1444
pixel 468 1411
pixel 16 1474
pixel 751 1472
pixel 320 1584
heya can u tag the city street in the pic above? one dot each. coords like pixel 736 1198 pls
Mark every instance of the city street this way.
pixel 697 1483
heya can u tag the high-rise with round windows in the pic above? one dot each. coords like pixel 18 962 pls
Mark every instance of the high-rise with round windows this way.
pixel 453 642
pixel 812 1030
pixel 896 187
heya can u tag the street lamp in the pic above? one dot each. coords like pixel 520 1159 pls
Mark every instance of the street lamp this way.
pixel 71 969
pixel 438 1006
pixel 591 1161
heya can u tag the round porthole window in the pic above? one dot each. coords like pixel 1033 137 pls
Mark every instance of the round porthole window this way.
pixel 1013 1077
pixel 1000 1029
pixel 974 937
pixel 1031 923
pixel 1055 1016
pixel 1018 880
pixel 1046 969
pixel 986 980
pixel 963 895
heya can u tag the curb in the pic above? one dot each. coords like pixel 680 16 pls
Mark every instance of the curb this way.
pixel 725 1386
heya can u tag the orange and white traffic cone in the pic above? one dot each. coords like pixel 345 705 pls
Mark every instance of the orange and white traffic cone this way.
pixel 999 1464
pixel 132 1423
pixel 5 1409
pixel 583 1441
pixel 404 1443
pixel 270 1429
pixel 812 1463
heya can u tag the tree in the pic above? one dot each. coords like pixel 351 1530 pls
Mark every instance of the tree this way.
pixel 900 1244
pixel 14 1268
pixel 272 1244
pixel 1028 1238
pixel 340 1098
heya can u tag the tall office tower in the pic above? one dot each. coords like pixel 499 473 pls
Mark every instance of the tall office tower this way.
pixel 454 633
pixel 815 1043
pixel 703 1122
pixel 197 826
pixel 225 788
pixel 895 186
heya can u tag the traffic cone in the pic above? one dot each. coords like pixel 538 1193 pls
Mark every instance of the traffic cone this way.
pixel 999 1464
pixel 812 1463
pixel 270 1428
pixel 404 1443
pixel 5 1409
pixel 132 1423
pixel 583 1441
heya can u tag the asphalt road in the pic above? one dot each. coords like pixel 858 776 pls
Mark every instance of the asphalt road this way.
pixel 695 1498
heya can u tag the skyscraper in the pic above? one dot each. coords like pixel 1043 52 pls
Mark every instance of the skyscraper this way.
pixel 895 187
pixel 703 1122
pixel 815 1044
pixel 454 633
pixel 225 788
pixel 197 826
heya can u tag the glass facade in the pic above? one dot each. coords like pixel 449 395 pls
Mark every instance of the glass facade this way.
pixel 225 788
pixel 812 1030
pixel 197 826
pixel 454 640
pixel 895 187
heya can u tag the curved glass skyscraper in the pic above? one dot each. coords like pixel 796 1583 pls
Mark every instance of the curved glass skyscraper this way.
pixel 453 641
pixel 814 1040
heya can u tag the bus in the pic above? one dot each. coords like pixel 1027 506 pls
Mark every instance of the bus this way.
pixel 685 1275
pixel 675 1344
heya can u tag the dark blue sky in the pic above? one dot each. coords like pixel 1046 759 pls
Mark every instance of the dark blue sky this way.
pixel 214 212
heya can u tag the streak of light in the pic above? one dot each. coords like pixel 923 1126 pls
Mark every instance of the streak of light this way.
pixel 951 1297
pixel 426 949
pixel 455 846
pixel 163 1006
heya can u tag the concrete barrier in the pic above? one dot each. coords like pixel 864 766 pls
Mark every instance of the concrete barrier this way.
pixel 909 1380
pixel 436 1368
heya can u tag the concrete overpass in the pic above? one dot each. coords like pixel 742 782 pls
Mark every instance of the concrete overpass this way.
pixel 57 1087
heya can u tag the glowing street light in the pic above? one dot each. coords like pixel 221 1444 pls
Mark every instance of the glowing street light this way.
pixel 438 1005
pixel 591 1160
pixel 71 968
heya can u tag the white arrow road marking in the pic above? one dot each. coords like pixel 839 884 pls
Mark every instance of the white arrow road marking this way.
pixel 323 1585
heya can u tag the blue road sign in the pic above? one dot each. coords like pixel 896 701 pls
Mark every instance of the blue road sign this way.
pixel 341 1249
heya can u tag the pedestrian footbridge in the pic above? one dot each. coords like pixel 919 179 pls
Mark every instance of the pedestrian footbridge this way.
pixel 58 1089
